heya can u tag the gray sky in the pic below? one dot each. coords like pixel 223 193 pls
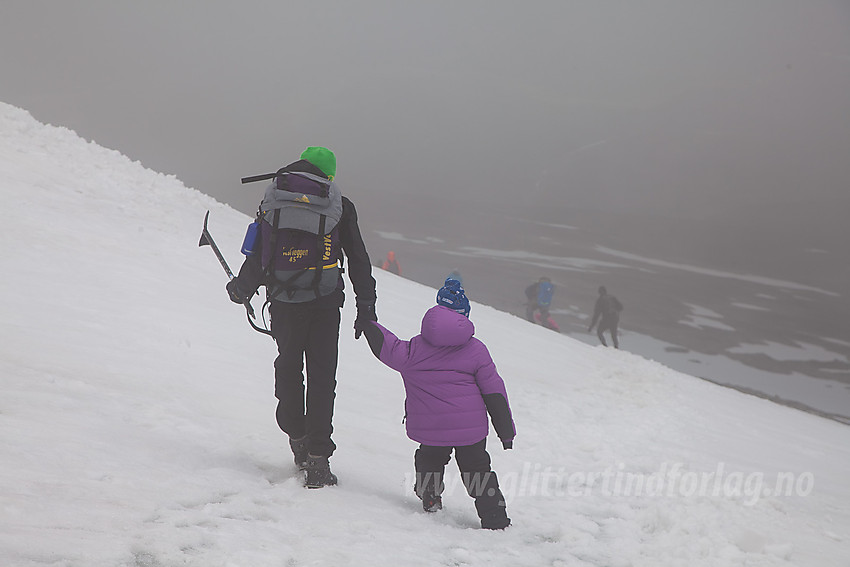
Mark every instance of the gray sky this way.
pixel 673 106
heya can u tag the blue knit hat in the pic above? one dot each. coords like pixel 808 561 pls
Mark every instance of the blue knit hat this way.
pixel 451 295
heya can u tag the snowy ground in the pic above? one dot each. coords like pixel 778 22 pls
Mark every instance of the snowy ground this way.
pixel 138 430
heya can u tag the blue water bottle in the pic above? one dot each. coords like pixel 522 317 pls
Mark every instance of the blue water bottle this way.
pixel 250 238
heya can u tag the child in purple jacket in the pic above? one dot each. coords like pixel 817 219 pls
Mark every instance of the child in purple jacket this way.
pixel 451 385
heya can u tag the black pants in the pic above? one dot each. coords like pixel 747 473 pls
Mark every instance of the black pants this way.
pixel 608 324
pixel 306 332
pixel 478 478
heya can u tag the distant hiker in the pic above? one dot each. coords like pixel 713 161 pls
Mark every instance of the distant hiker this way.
pixel 607 312
pixel 539 296
pixel 305 227
pixel 451 385
pixel 391 264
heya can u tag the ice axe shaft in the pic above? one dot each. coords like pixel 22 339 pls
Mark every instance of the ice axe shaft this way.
pixel 207 240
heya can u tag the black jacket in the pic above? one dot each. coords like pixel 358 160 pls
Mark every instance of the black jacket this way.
pixel 608 307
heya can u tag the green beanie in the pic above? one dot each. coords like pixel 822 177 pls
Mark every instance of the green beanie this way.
pixel 322 158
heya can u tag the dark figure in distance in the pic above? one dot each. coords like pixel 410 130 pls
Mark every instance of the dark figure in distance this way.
pixel 607 312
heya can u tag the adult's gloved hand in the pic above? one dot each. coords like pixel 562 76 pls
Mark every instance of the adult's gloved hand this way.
pixel 237 294
pixel 365 314
pixel 508 444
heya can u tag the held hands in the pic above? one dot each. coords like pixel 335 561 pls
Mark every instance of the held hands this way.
pixel 365 314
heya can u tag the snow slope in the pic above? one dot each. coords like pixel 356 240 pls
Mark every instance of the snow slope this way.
pixel 137 414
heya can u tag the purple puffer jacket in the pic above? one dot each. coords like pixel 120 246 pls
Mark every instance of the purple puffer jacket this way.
pixel 450 380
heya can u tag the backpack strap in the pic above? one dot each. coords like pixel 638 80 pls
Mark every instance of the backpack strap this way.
pixel 273 286
pixel 277 286
pixel 320 246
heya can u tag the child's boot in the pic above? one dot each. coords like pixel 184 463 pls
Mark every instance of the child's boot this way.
pixel 428 488
pixel 496 521
pixel 431 502
pixel 489 501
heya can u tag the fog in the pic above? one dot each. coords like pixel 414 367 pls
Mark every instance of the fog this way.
pixel 679 108
pixel 701 132
pixel 708 134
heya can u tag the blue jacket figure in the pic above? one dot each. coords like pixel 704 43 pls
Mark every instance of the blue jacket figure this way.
pixel 539 296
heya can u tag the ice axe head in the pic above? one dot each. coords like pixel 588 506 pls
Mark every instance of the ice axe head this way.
pixel 204 240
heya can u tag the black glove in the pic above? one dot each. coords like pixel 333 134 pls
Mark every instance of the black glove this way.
pixel 237 294
pixel 507 444
pixel 365 314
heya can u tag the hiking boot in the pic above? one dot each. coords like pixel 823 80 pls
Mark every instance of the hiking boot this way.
pixel 495 521
pixel 431 501
pixel 299 451
pixel 318 473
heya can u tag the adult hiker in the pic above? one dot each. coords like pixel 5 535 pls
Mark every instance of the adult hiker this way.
pixel 607 312
pixel 306 226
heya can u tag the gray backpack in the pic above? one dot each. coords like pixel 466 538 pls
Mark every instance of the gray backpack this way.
pixel 299 222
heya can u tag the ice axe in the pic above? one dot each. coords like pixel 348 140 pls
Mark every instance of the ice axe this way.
pixel 207 240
